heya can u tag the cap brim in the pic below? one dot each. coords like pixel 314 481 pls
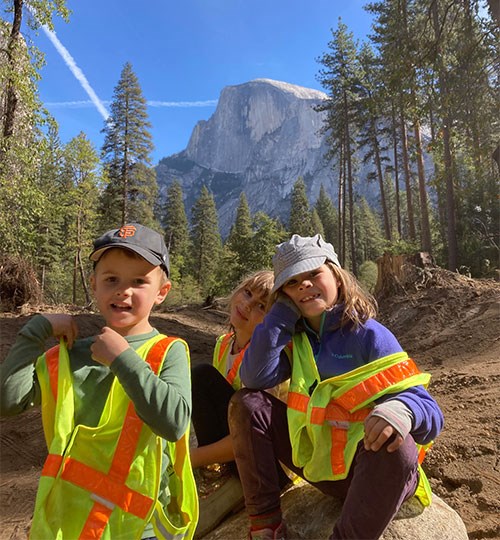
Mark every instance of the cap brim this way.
pixel 145 254
pixel 296 269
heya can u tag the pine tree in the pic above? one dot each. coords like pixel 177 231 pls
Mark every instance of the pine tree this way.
pixel 369 120
pixel 206 242
pixel 239 238
pixel 340 77
pixel 132 189
pixel 317 225
pixel 175 225
pixel 268 232
pixel 81 169
pixel 328 216
pixel 23 144
pixel 300 214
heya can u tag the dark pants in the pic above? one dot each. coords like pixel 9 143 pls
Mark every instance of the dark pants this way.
pixel 211 394
pixel 377 484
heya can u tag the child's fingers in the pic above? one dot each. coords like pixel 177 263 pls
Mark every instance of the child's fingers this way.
pixel 396 443
pixel 377 432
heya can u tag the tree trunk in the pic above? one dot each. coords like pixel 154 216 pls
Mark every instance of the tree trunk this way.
pixel 451 235
pixel 378 165
pixel 424 209
pixel 406 168
pixel 10 87
pixel 396 167
pixel 354 266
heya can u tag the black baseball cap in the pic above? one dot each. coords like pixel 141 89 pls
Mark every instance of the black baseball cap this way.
pixel 142 240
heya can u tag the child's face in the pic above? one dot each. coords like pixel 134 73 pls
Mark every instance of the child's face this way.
pixel 313 292
pixel 126 288
pixel 248 308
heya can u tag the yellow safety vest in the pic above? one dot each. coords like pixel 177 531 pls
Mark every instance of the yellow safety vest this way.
pixel 221 352
pixel 103 482
pixel 326 418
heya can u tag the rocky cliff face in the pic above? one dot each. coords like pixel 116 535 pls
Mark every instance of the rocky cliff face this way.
pixel 263 135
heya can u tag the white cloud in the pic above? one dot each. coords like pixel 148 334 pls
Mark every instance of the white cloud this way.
pixel 152 103
pixel 206 103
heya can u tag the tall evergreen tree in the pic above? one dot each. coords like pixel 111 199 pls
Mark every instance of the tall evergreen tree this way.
pixel 23 144
pixel 300 214
pixel 239 237
pixel 81 172
pixel 340 77
pixel 372 131
pixel 206 242
pixel 132 189
pixel 268 232
pixel 328 216
pixel 175 225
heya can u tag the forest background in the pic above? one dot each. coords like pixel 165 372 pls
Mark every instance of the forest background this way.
pixel 429 65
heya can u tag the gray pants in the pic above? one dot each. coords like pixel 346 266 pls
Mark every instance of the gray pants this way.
pixel 377 484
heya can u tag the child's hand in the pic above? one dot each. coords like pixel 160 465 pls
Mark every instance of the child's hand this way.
pixel 63 326
pixel 107 346
pixel 377 433
pixel 285 299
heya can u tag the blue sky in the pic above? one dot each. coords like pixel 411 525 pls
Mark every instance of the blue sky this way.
pixel 183 53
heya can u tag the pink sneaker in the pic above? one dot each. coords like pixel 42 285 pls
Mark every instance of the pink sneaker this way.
pixel 269 534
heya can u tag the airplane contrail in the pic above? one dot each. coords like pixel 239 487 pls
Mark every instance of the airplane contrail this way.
pixel 77 72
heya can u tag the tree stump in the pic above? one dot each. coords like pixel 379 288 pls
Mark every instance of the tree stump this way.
pixel 394 271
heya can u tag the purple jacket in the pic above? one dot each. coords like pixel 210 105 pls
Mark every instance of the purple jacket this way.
pixel 336 351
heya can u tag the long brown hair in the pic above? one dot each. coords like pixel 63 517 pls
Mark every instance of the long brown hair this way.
pixel 359 305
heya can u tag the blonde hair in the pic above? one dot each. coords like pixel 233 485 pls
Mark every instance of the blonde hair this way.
pixel 260 282
pixel 359 305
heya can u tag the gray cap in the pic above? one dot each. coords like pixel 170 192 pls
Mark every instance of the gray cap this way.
pixel 135 237
pixel 300 254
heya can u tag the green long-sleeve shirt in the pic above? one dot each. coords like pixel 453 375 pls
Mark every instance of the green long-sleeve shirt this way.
pixel 163 402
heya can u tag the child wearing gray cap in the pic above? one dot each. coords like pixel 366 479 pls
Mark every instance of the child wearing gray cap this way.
pixel 116 407
pixel 358 419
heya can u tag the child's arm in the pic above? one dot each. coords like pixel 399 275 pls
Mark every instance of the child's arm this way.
pixel 413 411
pixel 265 363
pixel 18 382
pixel 163 402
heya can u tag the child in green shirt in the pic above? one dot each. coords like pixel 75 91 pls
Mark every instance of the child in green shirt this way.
pixel 129 391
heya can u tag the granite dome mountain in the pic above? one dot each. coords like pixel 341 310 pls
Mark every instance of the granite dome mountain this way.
pixel 262 137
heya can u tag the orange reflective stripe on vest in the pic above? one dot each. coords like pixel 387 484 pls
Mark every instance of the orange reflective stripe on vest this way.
pixel 377 383
pixel 337 417
pixel 108 489
pixel 223 352
pixel 52 360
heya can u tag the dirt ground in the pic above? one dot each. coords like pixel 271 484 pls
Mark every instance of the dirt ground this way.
pixel 450 324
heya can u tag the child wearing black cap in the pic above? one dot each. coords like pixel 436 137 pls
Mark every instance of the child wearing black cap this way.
pixel 358 418
pixel 116 407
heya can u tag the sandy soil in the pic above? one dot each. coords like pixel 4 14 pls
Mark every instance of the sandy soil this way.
pixel 448 323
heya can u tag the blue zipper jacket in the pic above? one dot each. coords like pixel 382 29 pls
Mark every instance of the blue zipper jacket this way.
pixel 336 351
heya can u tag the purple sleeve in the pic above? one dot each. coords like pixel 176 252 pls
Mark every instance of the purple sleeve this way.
pixel 427 416
pixel 428 419
pixel 265 363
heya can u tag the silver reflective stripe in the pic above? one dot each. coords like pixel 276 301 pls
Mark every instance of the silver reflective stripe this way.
pixel 105 502
pixel 341 424
pixel 166 534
